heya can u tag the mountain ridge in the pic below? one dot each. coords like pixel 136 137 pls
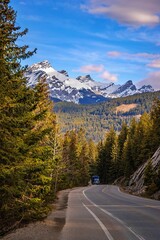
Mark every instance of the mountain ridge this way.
pixel 83 89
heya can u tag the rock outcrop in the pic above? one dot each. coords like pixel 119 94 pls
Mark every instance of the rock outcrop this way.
pixel 136 183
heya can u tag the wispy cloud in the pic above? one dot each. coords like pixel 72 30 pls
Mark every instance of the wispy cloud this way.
pixel 141 56
pixel 91 68
pixel 103 73
pixel 152 79
pixel 114 54
pixel 129 34
pixel 133 13
pixel 154 64
pixel 106 75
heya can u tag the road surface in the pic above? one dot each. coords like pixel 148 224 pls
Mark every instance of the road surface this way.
pixel 103 212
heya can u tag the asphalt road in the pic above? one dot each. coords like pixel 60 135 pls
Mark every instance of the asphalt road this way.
pixel 102 212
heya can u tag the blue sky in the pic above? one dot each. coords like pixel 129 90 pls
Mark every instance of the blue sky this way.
pixel 112 40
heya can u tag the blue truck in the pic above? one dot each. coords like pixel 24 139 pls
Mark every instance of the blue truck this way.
pixel 95 179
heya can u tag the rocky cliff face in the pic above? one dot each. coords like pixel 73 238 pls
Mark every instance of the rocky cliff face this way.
pixel 136 183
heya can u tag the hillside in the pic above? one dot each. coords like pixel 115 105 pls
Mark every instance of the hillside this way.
pixel 98 118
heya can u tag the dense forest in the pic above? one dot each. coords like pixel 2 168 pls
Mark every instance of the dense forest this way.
pixel 35 160
pixel 38 158
pixel 99 118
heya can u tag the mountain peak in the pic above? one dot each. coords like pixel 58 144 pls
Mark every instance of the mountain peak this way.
pixel 40 65
pixel 85 78
pixel 64 72
pixel 146 88
pixel 128 86
pixel 82 89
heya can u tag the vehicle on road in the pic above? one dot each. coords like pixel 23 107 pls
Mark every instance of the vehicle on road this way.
pixel 95 179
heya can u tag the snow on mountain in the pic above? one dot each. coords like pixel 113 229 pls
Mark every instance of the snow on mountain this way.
pixel 82 89
pixel 146 88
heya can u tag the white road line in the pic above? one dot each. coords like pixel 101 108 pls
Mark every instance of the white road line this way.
pixel 111 215
pixel 109 236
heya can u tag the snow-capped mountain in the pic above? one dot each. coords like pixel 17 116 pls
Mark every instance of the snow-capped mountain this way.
pixel 82 89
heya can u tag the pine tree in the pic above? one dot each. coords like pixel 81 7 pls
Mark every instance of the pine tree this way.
pixel 121 141
pixel 92 154
pixel 101 163
pixel 26 124
pixel 129 150
pixel 155 131
pixel 105 164
pixel 148 173
pixel 115 166
pixel 38 164
pixel 142 141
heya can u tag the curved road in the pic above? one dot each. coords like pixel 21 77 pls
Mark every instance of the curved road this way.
pixel 103 212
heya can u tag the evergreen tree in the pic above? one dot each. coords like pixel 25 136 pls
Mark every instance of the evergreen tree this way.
pixel 151 179
pixel 142 140
pixel 105 167
pixel 115 166
pixel 16 106
pixel 26 126
pixel 84 176
pixel 120 144
pixel 148 173
pixel 65 159
pixel 92 154
pixel 127 157
pixel 101 163
pixel 129 150
pixel 38 164
pixel 155 131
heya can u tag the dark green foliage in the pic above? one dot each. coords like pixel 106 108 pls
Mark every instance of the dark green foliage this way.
pixel 155 118
pixel 76 158
pixel 122 155
pixel 151 179
pixel 26 124
pixel 129 150
pixel 105 158
pixel 120 145
pixel 99 118
pixel 148 174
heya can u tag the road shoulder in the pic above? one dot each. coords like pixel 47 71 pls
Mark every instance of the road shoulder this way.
pixel 50 228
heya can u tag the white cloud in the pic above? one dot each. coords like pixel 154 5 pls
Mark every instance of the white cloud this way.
pixel 91 68
pixel 114 54
pixel 154 64
pixel 153 79
pixel 134 13
pixel 109 76
pixel 141 56
pixel 104 74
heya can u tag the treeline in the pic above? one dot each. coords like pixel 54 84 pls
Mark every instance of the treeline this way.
pixel 35 160
pixel 27 131
pixel 120 155
pixel 98 118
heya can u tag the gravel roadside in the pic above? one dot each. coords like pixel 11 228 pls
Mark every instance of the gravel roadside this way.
pixel 49 229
